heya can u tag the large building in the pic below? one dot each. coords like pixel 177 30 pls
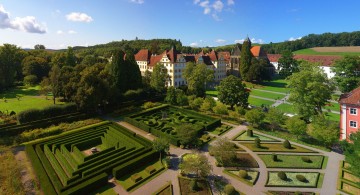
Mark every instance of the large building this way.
pixel 175 63
pixel 349 113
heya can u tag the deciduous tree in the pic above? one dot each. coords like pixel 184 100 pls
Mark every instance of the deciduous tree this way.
pixel 161 145
pixel 347 73
pixel 187 133
pixel 158 78
pixel 223 150
pixel 196 163
pixel 255 117
pixel 233 92
pixel 296 126
pixel 324 130
pixel 275 117
pixel 287 64
pixel 196 76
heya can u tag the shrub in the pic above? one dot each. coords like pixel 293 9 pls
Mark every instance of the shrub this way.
pixel 287 144
pixel 301 178
pixel 250 133
pixel 241 110
pixel 257 143
pixel 274 157
pixel 148 105
pixel 30 80
pixel 182 146
pixel 229 189
pixel 243 174
pixel 306 159
pixel 194 185
pixel 282 175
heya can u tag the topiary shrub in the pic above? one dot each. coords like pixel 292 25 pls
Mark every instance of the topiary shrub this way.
pixel 250 133
pixel 301 178
pixel 282 175
pixel 243 174
pixel 257 143
pixel 287 144
pixel 194 185
pixel 274 157
pixel 306 159
pixel 229 189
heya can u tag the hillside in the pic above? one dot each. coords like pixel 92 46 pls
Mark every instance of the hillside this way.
pixel 330 51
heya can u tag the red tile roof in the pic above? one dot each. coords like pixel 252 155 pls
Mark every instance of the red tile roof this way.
pixel 273 57
pixel 143 55
pixel 213 56
pixel 225 55
pixel 323 60
pixel 352 97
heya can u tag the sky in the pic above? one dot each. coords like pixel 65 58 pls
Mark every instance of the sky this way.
pixel 58 24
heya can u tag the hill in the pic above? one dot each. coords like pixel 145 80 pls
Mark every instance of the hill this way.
pixel 330 51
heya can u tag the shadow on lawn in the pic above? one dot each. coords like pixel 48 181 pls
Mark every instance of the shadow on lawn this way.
pixel 13 93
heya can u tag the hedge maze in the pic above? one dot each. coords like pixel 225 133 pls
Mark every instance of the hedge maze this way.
pixel 63 167
pixel 162 121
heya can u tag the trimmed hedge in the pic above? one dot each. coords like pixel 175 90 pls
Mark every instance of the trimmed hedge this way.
pixel 89 185
pixel 64 163
pixel 55 164
pixel 78 155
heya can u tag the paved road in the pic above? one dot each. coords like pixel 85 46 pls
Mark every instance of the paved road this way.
pixel 328 187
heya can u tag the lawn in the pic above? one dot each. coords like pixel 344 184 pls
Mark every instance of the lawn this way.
pixel 29 98
pixel 311 51
pixel 278 85
pixel 269 95
pixel 286 108
pixel 244 137
pixel 184 183
pixel 333 106
pixel 212 93
pixel 292 161
pixel 276 147
pixel 250 179
pixel 258 102
pixel 243 160
pixel 332 116
pixel 292 181
pixel 347 182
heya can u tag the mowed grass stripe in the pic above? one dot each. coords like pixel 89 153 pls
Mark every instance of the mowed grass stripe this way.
pixel 258 102
pixel 274 96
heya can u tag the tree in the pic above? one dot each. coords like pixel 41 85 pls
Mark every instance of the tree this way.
pixel 310 90
pixel 223 150
pixel 352 153
pixel 347 73
pixel 10 61
pixel 38 46
pixel 208 104
pixel 158 78
pixel 161 145
pixel 146 79
pixel 37 66
pixel 54 81
pixel 195 102
pixel 275 117
pixel 287 64
pixel 245 59
pixel 187 133
pixel 220 108
pixel 171 95
pixel 195 163
pixel 196 76
pixel 133 79
pixel 233 92
pixel 70 58
pixel 324 130
pixel 296 126
pixel 255 117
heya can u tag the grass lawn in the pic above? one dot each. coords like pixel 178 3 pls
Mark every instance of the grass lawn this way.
pixel 310 51
pixel 333 117
pixel 29 98
pixel 250 179
pixel 287 108
pixel 258 102
pixel 278 85
pixel 212 93
pixel 333 106
pixel 269 95
pixel 129 184
pixel 167 189
pixel 292 161
pixel 243 160
pixel 275 181
pixel 106 190
pixel 244 137
pixel 184 183
pixel 347 182
pixel 276 147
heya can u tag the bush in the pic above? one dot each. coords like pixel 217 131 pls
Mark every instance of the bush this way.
pixel 241 110
pixel 30 80
pixel 301 178
pixel 250 133
pixel 287 144
pixel 257 143
pixel 282 175
pixel 243 174
pixel 148 105
pixel 194 185
pixel 306 159
pixel 229 189
pixel 274 157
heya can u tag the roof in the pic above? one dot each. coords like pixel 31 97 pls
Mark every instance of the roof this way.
pixel 225 55
pixel 236 51
pixel 143 55
pixel 213 56
pixel 352 97
pixel 257 51
pixel 324 60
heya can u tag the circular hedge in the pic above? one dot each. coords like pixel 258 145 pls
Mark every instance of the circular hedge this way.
pixel 282 175
pixel 306 159
pixel 243 174
pixel 287 144
pixel 229 189
pixel 301 178
pixel 257 143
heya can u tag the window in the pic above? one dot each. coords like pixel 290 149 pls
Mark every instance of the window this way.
pixel 353 111
pixel 353 124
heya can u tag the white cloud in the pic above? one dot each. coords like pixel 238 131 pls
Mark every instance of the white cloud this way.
pixel 72 32
pixel 230 2
pixel 253 40
pixel 218 6
pixel 26 24
pixel 195 44
pixel 59 32
pixel 294 39
pixel 196 1
pixel 207 10
pixel 220 41
pixel 204 4
pixel 137 1
pixel 79 17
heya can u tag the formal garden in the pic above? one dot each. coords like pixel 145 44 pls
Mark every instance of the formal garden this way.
pixel 347 181
pixel 293 179
pixel 64 164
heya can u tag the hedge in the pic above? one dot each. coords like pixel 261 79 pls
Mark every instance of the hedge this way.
pixel 45 182
pixel 68 157
pixel 78 155
pixel 64 163
pixel 80 136
pixel 89 185
pixel 56 166
pixel 87 143
pixel 104 152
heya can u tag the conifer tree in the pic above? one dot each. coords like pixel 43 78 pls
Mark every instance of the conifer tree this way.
pixel 245 60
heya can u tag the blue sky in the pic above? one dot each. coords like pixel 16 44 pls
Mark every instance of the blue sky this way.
pixel 61 23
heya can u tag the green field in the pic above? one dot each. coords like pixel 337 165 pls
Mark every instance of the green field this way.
pixel 333 116
pixel 244 137
pixel 29 98
pixel 275 181
pixel 269 95
pixel 278 85
pixel 258 102
pixel 276 147
pixel 333 106
pixel 310 51
pixel 287 108
pixel 250 179
pixel 292 161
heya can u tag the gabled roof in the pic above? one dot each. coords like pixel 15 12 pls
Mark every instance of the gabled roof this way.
pixel 236 51
pixel 257 51
pixel 273 57
pixel 352 97
pixel 225 55
pixel 143 55
pixel 213 56
pixel 172 54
